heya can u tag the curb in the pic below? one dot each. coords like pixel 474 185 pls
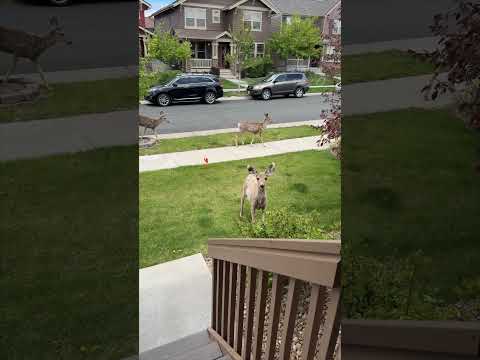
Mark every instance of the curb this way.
pixel 188 134
pixel 237 98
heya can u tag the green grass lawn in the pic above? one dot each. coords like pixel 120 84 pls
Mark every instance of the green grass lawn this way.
pixel 227 139
pixel 227 84
pixel 318 80
pixel 181 208
pixel 382 65
pixel 69 248
pixel 409 185
pixel 77 98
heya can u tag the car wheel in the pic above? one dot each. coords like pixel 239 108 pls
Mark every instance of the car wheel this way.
pixel 59 2
pixel 266 94
pixel 210 97
pixel 299 92
pixel 164 100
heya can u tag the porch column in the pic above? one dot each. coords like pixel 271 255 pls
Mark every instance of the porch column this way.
pixel 215 53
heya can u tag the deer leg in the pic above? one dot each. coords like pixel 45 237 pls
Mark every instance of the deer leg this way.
pixel 252 211
pixel 42 75
pixel 10 71
pixel 242 199
pixel 236 140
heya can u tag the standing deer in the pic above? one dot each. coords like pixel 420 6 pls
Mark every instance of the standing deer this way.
pixel 254 190
pixel 253 128
pixel 22 44
pixel 152 123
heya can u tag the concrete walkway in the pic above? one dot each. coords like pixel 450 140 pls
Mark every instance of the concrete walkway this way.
pixel 229 153
pixel 174 301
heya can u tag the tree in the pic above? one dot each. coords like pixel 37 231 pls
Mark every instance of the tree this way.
pixel 332 125
pixel 169 49
pixel 243 45
pixel 458 56
pixel 300 39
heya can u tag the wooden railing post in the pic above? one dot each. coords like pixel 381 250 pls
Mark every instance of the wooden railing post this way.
pixel 239 314
pixel 251 287
pixel 289 319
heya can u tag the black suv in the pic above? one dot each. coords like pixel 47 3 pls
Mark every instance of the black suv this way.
pixel 186 87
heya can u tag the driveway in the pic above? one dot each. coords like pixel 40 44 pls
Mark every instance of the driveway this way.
pixel 227 113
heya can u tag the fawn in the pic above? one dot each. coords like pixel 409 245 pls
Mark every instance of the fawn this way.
pixel 253 128
pixel 22 44
pixel 254 190
pixel 152 123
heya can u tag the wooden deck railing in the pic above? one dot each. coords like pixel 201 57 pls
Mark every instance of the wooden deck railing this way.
pixel 200 63
pixel 241 269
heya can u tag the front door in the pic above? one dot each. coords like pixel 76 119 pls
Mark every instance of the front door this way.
pixel 223 50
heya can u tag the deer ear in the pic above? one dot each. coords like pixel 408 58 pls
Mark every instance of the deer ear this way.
pixel 271 169
pixel 53 21
pixel 251 169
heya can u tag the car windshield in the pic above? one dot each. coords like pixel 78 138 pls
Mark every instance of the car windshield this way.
pixel 270 78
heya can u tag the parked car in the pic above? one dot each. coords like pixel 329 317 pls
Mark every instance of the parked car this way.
pixel 291 83
pixel 186 87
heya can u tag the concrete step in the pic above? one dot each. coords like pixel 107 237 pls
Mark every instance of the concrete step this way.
pixel 207 352
pixel 173 349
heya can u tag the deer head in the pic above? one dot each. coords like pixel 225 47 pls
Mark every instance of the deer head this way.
pixel 262 177
pixel 56 34
pixel 267 120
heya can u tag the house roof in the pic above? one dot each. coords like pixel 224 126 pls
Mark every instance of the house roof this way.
pixel 147 4
pixel 305 7
pixel 204 35
pixel 226 4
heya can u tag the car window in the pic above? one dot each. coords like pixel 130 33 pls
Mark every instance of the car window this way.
pixel 184 81
pixel 270 78
pixel 205 80
pixel 281 78
pixel 292 77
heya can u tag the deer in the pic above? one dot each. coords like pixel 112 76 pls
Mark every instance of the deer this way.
pixel 253 128
pixel 152 123
pixel 254 190
pixel 29 46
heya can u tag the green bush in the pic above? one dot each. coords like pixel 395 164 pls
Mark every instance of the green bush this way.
pixel 283 223
pixel 147 80
pixel 257 67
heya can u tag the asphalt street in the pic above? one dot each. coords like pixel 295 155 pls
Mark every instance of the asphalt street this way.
pixel 103 33
pixel 227 114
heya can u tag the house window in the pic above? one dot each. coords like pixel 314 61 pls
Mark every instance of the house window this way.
pixel 199 50
pixel 259 50
pixel 195 18
pixel 216 19
pixel 252 20
pixel 336 27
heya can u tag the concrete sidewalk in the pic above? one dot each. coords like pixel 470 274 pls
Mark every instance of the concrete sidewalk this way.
pixel 388 95
pixel 233 130
pixel 229 153
pixel 38 138
pixel 417 44
pixel 57 77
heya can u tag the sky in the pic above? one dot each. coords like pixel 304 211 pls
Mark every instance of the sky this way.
pixel 157 4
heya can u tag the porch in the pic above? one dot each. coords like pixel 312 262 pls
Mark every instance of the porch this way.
pixel 207 54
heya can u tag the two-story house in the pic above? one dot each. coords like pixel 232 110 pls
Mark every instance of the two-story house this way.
pixel 143 32
pixel 327 14
pixel 208 26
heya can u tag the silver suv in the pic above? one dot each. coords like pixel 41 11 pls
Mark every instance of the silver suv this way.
pixel 295 83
